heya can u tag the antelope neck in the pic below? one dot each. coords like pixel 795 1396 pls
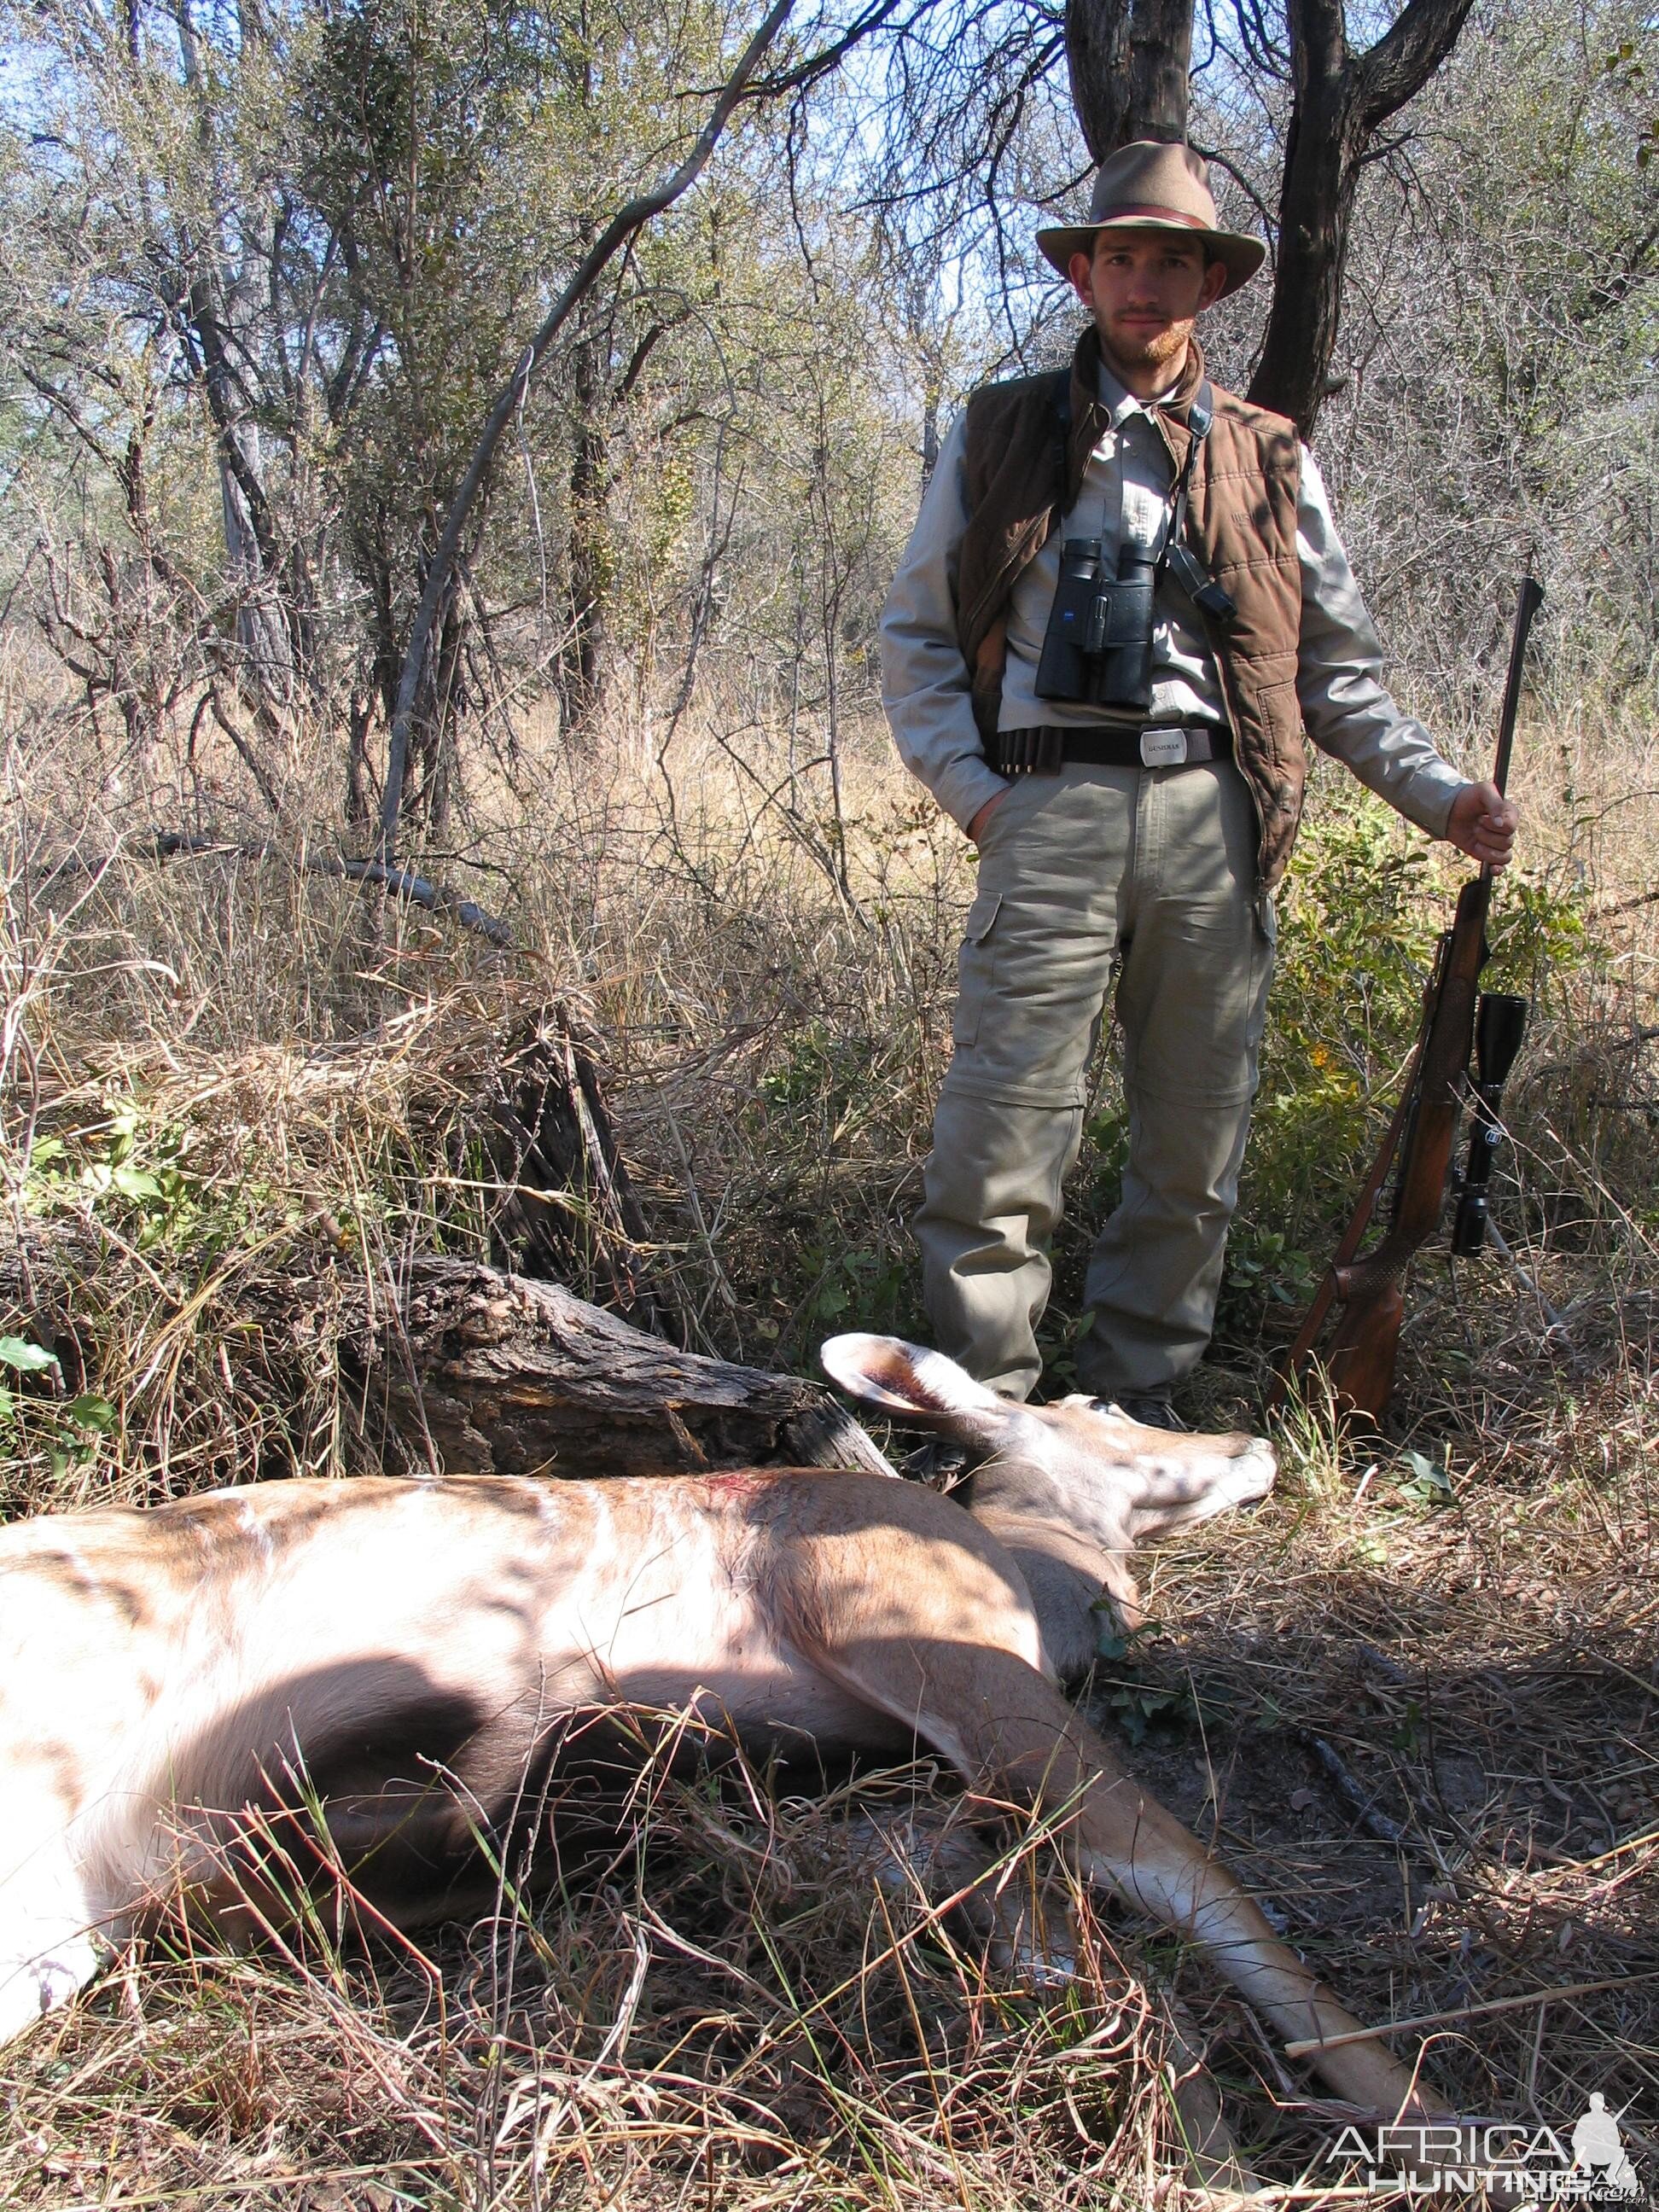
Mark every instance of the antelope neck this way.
pixel 1067 1574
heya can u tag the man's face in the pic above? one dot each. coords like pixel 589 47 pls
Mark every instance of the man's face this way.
pixel 1144 288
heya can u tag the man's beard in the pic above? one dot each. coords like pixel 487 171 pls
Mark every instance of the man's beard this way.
pixel 1144 349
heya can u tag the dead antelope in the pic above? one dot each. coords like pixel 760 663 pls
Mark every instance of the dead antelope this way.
pixel 405 1650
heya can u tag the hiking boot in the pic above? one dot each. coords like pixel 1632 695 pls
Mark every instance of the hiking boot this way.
pixel 940 1463
pixel 1153 1409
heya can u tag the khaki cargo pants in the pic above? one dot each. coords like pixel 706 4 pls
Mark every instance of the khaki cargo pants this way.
pixel 1148 874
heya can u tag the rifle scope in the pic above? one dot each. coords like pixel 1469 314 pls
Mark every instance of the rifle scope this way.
pixel 1500 1023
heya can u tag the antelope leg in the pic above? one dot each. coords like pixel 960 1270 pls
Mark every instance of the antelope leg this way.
pixel 912 1852
pixel 1010 1732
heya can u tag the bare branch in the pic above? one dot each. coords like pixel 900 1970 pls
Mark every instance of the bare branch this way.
pixel 818 66
pixel 616 233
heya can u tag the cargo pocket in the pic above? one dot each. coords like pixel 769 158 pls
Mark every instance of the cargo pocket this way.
pixel 977 966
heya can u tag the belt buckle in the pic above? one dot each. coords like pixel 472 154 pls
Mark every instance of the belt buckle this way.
pixel 1163 748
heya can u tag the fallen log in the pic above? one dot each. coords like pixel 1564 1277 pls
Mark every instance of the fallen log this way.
pixel 445 1366
pixel 464 1371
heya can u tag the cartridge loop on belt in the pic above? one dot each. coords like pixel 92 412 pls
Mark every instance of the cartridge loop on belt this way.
pixel 1045 749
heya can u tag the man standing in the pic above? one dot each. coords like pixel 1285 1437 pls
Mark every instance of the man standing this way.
pixel 1123 601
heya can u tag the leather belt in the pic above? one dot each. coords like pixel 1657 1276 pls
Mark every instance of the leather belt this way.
pixel 1044 750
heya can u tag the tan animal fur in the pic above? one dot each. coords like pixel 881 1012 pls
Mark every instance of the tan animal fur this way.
pixel 412 1649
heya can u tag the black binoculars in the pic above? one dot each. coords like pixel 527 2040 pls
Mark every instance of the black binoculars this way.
pixel 1098 645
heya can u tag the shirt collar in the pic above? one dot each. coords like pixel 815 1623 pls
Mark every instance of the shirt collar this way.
pixel 1119 403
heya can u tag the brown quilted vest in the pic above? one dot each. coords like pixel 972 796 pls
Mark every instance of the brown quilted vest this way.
pixel 1241 525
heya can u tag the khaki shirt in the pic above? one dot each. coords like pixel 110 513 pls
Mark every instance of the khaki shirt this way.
pixel 1345 709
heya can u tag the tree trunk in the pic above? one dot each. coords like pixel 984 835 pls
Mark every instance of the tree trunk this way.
pixel 266 676
pixel 267 671
pixel 436 704
pixel 568 1211
pixel 1341 101
pixel 1129 61
pixel 469 1371
pixel 359 811
pixel 586 552
pixel 624 223
pixel 1315 205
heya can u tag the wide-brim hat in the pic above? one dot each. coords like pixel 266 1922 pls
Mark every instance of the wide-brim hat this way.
pixel 1147 185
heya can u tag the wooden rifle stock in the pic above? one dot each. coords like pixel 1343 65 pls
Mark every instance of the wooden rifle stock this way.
pixel 1361 1355
pixel 1358 1222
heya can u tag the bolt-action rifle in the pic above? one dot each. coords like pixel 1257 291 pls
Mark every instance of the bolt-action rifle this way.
pixel 1458 1018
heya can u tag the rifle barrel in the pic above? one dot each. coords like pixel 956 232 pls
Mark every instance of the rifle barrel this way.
pixel 1532 598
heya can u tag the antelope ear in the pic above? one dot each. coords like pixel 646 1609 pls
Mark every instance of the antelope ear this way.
pixel 908 1384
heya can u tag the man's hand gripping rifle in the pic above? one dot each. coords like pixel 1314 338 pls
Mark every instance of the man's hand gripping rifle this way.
pixel 1458 1018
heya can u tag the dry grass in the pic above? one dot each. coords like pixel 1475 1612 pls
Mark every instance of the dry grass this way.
pixel 1482 1822
pixel 730 2007
pixel 733 2009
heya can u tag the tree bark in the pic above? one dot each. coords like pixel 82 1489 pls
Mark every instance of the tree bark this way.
pixel 1129 61
pixel 1321 174
pixel 469 1371
pixel 580 672
pixel 264 629
pixel 568 1212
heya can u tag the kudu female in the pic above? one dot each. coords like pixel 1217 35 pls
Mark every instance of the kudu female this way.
pixel 401 1659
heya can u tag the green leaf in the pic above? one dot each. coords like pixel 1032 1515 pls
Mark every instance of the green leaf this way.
pixel 136 1182
pixel 92 1413
pixel 28 1358
pixel 1111 1643
pixel 1430 1483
